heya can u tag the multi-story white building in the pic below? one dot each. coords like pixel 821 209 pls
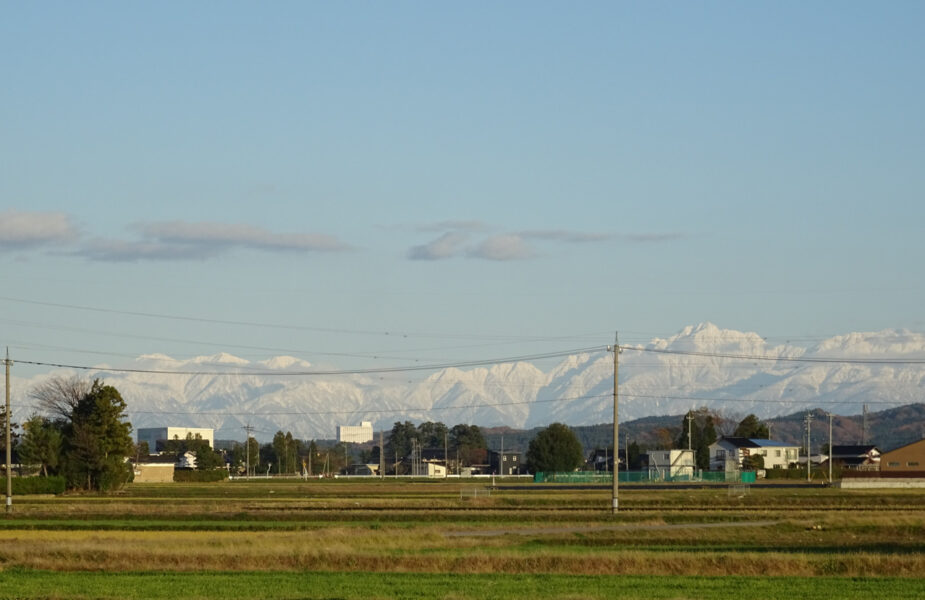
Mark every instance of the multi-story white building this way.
pixel 728 453
pixel 153 435
pixel 355 434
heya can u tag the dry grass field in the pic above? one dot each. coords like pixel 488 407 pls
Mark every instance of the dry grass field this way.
pixel 285 531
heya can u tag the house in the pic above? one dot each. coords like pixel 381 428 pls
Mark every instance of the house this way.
pixel 601 459
pixel 187 460
pixel 157 437
pixel 504 463
pixel 665 464
pixel 355 434
pixel 729 453
pixel 908 458
pixel 858 457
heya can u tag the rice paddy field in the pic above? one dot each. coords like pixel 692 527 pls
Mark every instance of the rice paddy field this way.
pixel 463 539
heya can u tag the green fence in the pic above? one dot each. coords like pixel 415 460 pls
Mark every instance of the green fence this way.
pixel 647 476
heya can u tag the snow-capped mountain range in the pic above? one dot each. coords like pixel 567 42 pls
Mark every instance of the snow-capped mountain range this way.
pixel 701 365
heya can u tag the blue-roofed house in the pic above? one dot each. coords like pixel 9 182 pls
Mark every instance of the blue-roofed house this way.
pixel 728 453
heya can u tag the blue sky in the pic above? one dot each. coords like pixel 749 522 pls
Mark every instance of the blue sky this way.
pixel 419 181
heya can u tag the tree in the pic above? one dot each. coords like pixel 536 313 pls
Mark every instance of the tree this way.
pixel 634 456
pixel 13 436
pixel 40 444
pixel 399 444
pixel 59 396
pixel 432 435
pixel 469 443
pixel 97 440
pixel 750 427
pixel 555 448
pixel 207 458
pixel 280 450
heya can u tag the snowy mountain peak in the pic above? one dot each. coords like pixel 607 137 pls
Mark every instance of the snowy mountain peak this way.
pixel 222 358
pixel 576 391
pixel 285 362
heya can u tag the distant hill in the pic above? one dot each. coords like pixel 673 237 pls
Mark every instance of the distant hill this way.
pixel 887 429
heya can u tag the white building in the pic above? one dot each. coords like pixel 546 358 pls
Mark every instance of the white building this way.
pixel 153 435
pixel 354 434
pixel 670 463
pixel 728 453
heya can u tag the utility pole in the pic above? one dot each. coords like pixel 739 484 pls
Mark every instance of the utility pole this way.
pixel 809 445
pixel 501 457
pixel 446 455
pixel 690 419
pixel 830 447
pixel 616 422
pixel 9 449
pixel 381 456
pixel 247 451
pixel 864 427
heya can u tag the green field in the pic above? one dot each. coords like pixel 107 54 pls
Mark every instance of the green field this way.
pixel 426 539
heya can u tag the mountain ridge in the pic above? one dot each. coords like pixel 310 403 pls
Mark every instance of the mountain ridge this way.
pixel 702 365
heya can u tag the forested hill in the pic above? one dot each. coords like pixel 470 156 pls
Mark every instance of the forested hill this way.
pixel 887 429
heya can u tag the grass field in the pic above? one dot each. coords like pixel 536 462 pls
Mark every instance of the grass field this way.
pixel 372 539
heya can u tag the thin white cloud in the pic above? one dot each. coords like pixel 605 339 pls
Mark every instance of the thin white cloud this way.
pixel 448 245
pixel 502 247
pixel 473 226
pixel 562 235
pixel 652 237
pixel 179 240
pixel 20 230
pixel 122 251
pixel 237 235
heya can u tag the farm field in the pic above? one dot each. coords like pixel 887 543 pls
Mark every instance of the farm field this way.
pixel 434 539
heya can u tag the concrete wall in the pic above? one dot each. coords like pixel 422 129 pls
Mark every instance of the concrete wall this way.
pixel 857 483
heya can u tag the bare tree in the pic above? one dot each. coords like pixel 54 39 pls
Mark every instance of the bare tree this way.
pixel 59 395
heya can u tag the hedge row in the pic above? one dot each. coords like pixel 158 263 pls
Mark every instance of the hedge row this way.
pixel 190 476
pixel 35 485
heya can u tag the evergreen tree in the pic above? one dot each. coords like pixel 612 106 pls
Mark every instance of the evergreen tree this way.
pixel 751 427
pixel 98 440
pixel 555 448
pixel 40 445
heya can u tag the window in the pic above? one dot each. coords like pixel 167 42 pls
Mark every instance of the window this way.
pixel 893 464
pixel 913 463
pixel 777 453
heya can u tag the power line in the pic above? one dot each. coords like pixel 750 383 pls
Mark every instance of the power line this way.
pixel 331 372
pixel 807 359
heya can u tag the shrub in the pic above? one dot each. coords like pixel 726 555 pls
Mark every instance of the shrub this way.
pixel 35 485
pixel 190 476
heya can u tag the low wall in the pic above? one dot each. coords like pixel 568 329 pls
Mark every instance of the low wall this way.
pixel 880 482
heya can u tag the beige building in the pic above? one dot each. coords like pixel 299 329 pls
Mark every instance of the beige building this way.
pixel 354 434
pixel 910 457
pixel 153 435
pixel 154 473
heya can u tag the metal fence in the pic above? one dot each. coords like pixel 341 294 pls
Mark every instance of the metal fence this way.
pixel 646 476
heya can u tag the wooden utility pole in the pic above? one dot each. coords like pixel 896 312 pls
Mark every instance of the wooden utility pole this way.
pixel 381 455
pixel 9 449
pixel 616 422
pixel 830 448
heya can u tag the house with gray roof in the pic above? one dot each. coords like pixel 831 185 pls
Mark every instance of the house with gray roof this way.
pixel 728 453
